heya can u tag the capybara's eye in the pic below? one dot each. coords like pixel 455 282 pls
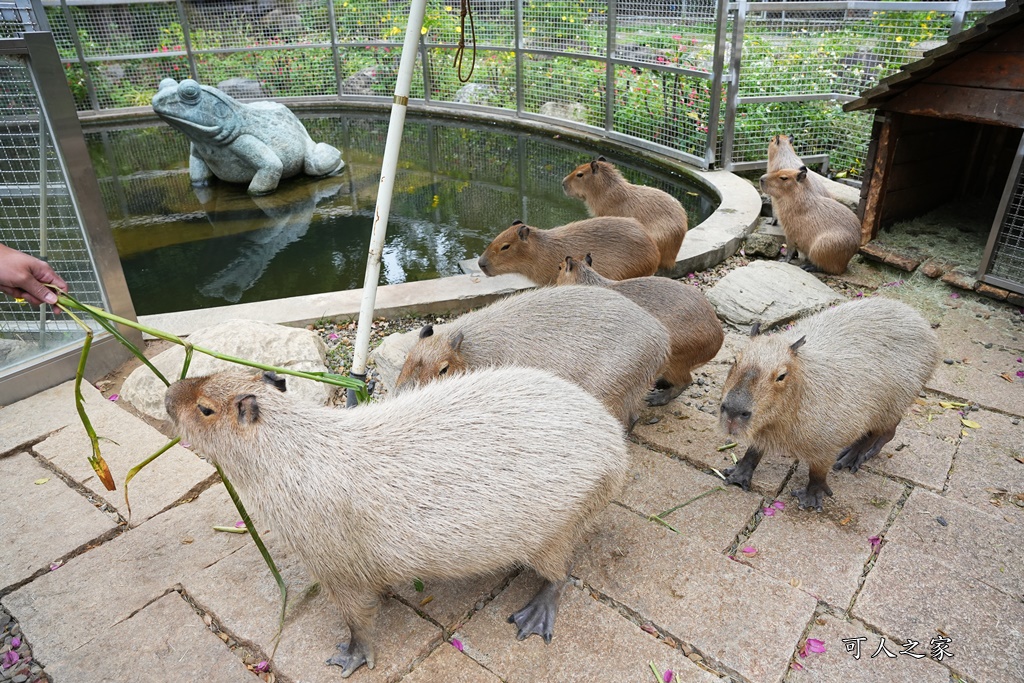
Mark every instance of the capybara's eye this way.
pixel 442 370
pixel 204 410
pixel 579 175
pixel 505 246
pixel 780 377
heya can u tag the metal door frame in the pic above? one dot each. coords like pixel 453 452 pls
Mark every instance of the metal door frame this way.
pixel 997 227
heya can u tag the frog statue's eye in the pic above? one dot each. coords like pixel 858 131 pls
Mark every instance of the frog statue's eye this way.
pixel 189 91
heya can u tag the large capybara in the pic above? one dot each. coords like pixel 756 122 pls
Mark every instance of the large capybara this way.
pixel 624 247
pixel 495 469
pixel 594 337
pixel 695 335
pixel 825 232
pixel 836 383
pixel 782 155
pixel 606 193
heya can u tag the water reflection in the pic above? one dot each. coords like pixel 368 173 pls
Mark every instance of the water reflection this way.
pixel 458 185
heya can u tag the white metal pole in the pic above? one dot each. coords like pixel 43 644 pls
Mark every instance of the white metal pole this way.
pixel 389 168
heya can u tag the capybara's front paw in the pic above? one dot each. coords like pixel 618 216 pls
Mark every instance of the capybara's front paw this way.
pixel 811 498
pixel 739 475
pixel 351 656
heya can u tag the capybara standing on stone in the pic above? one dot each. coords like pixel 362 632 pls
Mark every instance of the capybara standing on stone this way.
pixel 836 383
pixel 695 335
pixel 826 232
pixel 624 247
pixel 606 193
pixel 594 337
pixel 495 469
pixel 782 155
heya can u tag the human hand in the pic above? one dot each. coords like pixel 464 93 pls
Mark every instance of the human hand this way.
pixel 25 277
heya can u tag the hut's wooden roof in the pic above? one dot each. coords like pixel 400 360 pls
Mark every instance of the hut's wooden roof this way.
pixel 963 43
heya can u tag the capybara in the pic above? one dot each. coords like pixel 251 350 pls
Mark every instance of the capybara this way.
pixel 495 469
pixel 621 243
pixel 825 232
pixel 836 383
pixel 594 337
pixel 782 155
pixel 695 335
pixel 606 193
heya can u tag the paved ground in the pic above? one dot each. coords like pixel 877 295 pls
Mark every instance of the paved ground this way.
pixel 720 590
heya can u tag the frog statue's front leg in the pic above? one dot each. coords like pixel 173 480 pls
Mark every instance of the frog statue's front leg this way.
pixel 199 172
pixel 265 160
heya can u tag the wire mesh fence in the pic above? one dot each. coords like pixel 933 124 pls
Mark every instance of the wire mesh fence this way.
pixel 653 72
pixel 1007 260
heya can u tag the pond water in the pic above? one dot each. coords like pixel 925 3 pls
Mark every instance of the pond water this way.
pixel 458 186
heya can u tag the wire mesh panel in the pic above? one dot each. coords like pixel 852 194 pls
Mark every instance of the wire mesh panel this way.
pixel 226 23
pixel 1008 254
pixel 281 73
pixel 666 32
pixel 37 216
pixel 665 108
pixel 493 82
pixel 575 26
pixel 565 88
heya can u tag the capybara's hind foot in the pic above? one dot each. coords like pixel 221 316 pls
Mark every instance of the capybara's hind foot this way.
pixel 741 474
pixel 810 267
pixel 812 497
pixel 862 450
pixel 538 616
pixel 351 656
pixel 664 392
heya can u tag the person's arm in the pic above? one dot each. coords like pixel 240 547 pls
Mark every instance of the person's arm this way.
pixel 24 277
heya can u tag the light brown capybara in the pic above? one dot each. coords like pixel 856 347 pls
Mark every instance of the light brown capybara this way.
pixel 824 231
pixel 623 245
pixel 606 193
pixel 478 474
pixel 695 335
pixel 836 383
pixel 594 337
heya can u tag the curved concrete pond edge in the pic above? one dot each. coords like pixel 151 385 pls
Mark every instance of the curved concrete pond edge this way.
pixel 706 245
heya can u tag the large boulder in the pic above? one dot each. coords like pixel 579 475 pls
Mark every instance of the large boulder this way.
pixel 286 347
pixel 770 293
pixel 389 356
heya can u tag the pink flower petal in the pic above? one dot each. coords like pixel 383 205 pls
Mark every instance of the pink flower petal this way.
pixel 1020 360
pixel 15 642
pixel 749 551
pixel 457 644
pixel 779 505
pixel 815 645
pixel 668 676
pixel 769 512
pixel 954 295
pixel 875 542
pixel 239 524
pixel 796 666
pixel 10 659
pixel 113 397
pixel 1020 373
pixel 262 666
pixel 690 276
pixel 332 336
pixel 55 565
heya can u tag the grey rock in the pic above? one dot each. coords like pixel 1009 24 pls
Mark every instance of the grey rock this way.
pixel 475 93
pixel 360 83
pixel 767 240
pixel 770 293
pixel 571 111
pixel 258 143
pixel 288 347
pixel 390 355
pixel 242 88
pixel 14 350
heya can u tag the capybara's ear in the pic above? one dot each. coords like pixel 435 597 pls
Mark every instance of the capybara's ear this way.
pixel 589 260
pixel 426 331
pixel 273 380
pixel 593 166
pixel 568 264
pixel 524 232
pixel 802 175
pixel 601 158
pixel 457 341
pixel 798 343
pixel 248 409
pixel 517 222
pixel 791 138
pixel 755 329
pixel 776 139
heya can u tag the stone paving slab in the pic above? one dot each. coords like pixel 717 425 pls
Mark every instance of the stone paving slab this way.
pixel 825 552
pixel 988 471
pixel 128 442
pixel 46 522
pixel 695 436
pixel 697 595
pixel 912 594
pixel 836 664
pixel 975 374
pixel 451 602
pixel 107 584
pixel 658 482
pixel 38 415
pixel 165 641
pixel 239 592
pixel 592 642
pixel 448 664
pixel 976 543
pixel 770 293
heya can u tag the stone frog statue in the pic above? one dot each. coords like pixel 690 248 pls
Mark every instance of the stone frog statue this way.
pixel 257 143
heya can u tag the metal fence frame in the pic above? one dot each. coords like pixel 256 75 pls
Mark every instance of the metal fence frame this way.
pixel 1003 236
pixel 724 77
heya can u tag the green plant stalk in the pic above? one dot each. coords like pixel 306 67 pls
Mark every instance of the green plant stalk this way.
pixel 188 361
pixel 135 470
pixel 112 329
pixel 692 500
pixel 263 551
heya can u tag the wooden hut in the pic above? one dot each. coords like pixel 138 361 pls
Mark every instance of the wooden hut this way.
pixel 949 126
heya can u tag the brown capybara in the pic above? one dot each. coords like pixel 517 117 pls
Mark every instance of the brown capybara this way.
pixel 695 335
pixel 782 155
pixel 495 469
pixel 594 337
pixel 824 231
pixel 623 245
pixel 606 193
pixel 836 383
